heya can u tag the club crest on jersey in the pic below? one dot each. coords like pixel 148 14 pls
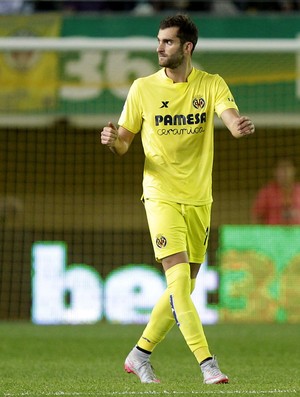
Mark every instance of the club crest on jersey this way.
pixel 199 103
pixel 161 241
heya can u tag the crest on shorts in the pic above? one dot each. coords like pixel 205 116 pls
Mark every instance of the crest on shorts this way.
pixel 161 241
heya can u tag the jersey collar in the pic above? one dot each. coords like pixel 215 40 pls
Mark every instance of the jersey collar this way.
pixel 170 81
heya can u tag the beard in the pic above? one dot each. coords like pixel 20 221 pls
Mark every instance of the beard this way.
pixel 171 62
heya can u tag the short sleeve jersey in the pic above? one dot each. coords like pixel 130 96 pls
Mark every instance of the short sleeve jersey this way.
pixel 176 121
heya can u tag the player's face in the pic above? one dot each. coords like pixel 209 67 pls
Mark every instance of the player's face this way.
pixel 285 173
pixel 170 50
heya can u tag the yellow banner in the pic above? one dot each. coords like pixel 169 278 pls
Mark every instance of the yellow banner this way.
pixel 28 79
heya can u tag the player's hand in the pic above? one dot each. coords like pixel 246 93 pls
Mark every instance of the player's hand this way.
pixel 109 135
pixel 244 126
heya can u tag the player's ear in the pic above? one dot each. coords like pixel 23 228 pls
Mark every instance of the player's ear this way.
pixel 188 46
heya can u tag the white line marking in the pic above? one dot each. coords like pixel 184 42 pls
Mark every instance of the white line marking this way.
pixel 153 393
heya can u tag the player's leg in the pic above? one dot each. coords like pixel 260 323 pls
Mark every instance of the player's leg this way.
pixel 161 319
pixel 178 275
pixel 160 323
pixel 187 318
pixel 198 224
pixel 164 220
pixel 184 311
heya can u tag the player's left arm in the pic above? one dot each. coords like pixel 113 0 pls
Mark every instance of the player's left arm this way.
pixel 239 126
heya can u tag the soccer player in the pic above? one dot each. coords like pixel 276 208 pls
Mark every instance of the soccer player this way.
pixel 173 109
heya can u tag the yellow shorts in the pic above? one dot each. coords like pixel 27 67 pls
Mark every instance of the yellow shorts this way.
pixel 178 227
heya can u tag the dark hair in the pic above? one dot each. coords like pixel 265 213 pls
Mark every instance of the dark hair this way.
pixel 187 30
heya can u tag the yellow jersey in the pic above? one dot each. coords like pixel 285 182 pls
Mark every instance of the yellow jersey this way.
pixel 176 121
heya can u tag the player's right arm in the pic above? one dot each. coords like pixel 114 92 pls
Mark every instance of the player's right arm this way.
pixel 117 139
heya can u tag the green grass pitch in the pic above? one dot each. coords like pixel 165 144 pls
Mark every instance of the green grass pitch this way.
pixel 87 361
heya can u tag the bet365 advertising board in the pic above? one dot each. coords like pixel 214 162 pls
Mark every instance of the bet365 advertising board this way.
pixel 260 274
pixel 96 82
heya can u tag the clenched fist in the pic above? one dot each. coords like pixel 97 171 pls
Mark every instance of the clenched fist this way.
pixel 109 135
pixel 244 125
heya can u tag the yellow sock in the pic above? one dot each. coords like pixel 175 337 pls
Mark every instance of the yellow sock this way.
pixel 185 313
pixel 160 323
